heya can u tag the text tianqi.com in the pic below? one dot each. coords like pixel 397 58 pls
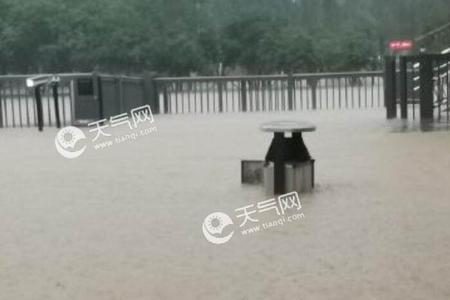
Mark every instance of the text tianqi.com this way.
pixel 218 227
pixel 67 139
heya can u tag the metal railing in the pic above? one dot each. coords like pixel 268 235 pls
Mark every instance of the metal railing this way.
pixel 18 106
pixel 270 93
pixel 192 95
pixel 419 86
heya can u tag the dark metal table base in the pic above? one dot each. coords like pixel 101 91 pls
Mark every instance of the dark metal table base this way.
pixel 283 150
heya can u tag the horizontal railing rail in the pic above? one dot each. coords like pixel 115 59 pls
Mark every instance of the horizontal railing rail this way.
pixel 179 95
pixel 270 92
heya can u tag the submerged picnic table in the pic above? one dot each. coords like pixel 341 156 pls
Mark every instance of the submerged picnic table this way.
pixel 286 149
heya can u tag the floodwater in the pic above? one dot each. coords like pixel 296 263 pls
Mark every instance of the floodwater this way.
pixel 125 222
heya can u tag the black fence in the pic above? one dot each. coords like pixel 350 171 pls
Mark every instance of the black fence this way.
pixel 87 97
pixel 270 93
pixel 18 107
pixel 418 86
pixel 82 98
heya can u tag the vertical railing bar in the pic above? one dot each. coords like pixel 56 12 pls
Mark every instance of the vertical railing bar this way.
pixel 270 95
pixel 49 107
pixel 189 89
pixel 301 93
pixel 6 107
pixel 232 105
pixel 201 97
pixel 27 109
pixel 365 91
pixel 359 92
pixel 448 97
pixel 207 97
pixel 12 103
pixel 371 90
pixel 294 92
pixel 64 94
pixel 277 95
pixel 227 102
pixel 379 92
pixel 176 90
pixel 255 95
pixel 318 95
pixel 333 93
pixel 250 97
pixel 352 87
pixel 35 111
pixel 438 87
pixel 346 93
pixel 263 95
pixel 414 74
pixel 240 97
pixel 1 105
pixel 360 85
pixel 216 97
pixel 308 95
pixel 20 103
pixel 169 103
pixel 193 102
pixel 71 104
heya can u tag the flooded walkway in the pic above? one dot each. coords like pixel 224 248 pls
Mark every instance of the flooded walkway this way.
pixel 125 222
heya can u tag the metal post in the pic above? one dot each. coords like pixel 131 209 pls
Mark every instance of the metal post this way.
pixel 426 88
pixel 165 99
pixel 151 92
pixel 40 118
pixel 312 82
pixel 279 167
pixel 220 91
pixel 55 99
pixel 98 92
pixel 121 95
pixel 390 93
pixel 290 85
pixel 244 95
pixel 1 109
pixel 403 88
pixel 100 98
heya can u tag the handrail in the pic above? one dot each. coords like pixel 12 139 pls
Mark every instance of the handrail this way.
pixel 272 77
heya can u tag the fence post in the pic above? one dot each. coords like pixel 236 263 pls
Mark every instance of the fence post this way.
pixel 403 88
pixel 151 91
pixel 98 91
pixel 165 98
pixel 220 91
pixel 390 92
pixel 426 88
pixel 244 95
pixel 121 95
pixel 290 91
pixel 1 107
pixel 39 114
pixel 56 102
pixel 312 82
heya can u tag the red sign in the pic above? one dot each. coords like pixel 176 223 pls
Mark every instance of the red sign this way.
pixel 401 45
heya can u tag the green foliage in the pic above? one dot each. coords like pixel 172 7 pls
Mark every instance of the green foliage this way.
pixel 177 37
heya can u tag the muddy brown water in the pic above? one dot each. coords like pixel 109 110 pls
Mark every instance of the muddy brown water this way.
pixel 125 222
